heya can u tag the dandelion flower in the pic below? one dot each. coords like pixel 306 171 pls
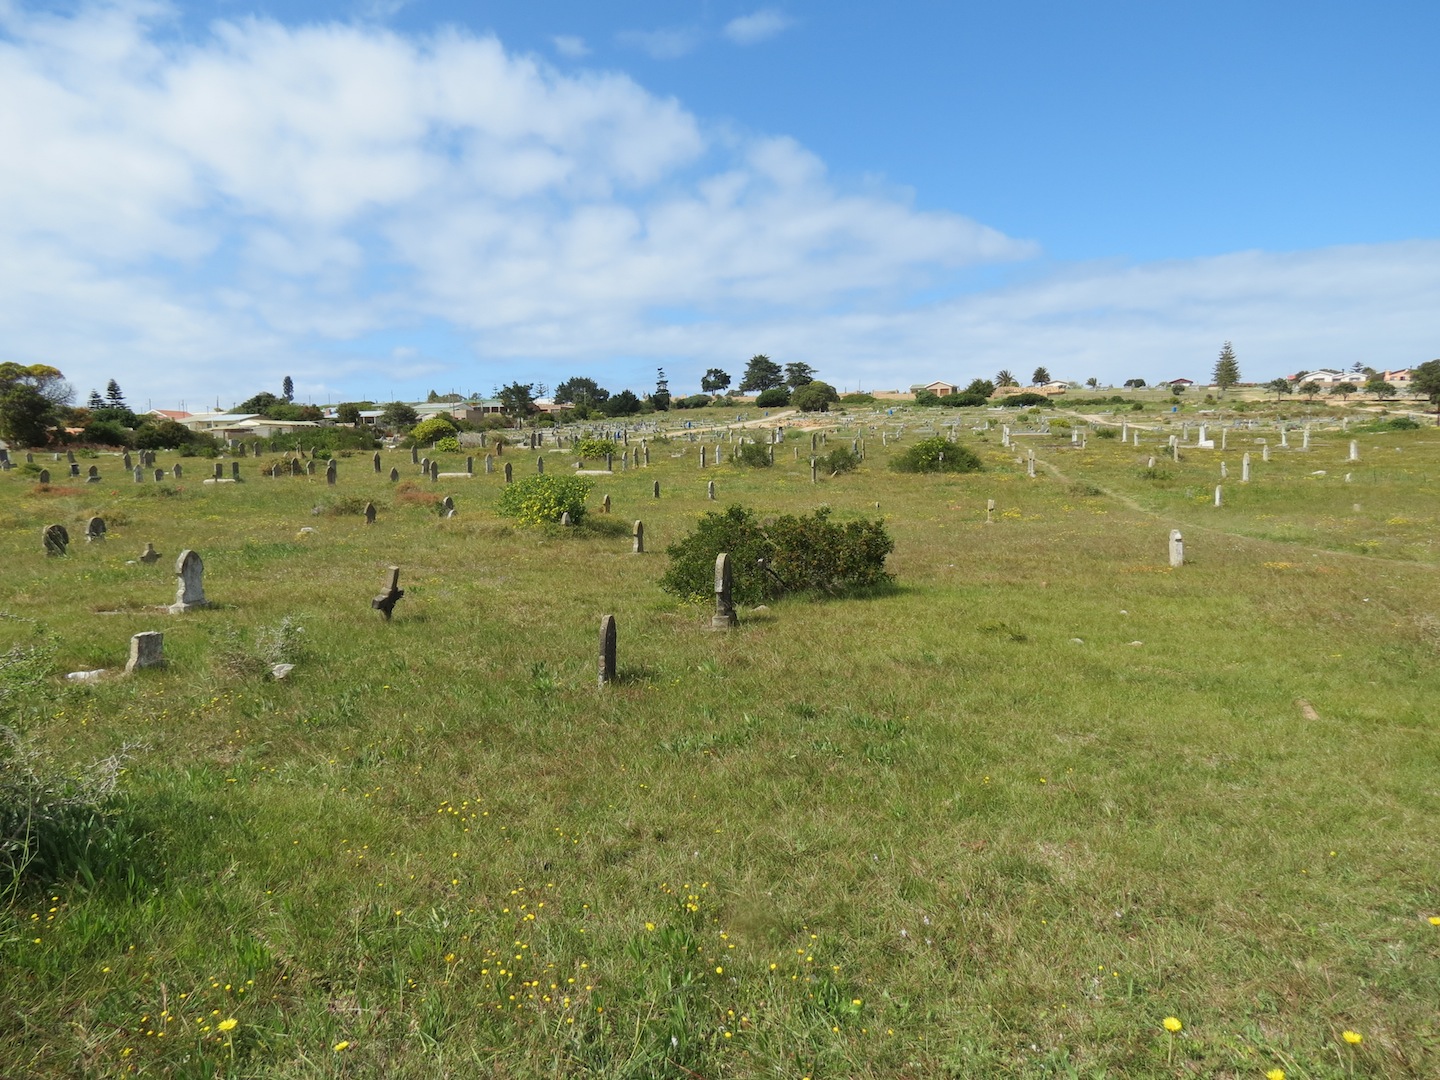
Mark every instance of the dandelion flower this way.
pixel 1172 1024
pixel 341 1045
pixel 1275 1074
pixel 1435 920
pixel 1354 1038
pixel 229 1025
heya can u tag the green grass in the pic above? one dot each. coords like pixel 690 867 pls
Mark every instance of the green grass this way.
pixel 1040 795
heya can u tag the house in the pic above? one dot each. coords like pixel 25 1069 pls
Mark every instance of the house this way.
pixel 1328 377
pixel 1178 382
pixel 1054 386
pixel 1400 378
pixel 216 422
pixel 938 388
pixel 262 428
pixel 167 414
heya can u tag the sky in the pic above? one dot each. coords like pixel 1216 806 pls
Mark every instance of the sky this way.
pixel 384 198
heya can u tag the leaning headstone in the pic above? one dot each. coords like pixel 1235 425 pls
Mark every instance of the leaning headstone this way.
pixel 95 530
pixel 369 513
pixel 330 472
pixel 44 476
pixel 605 505
pixel 56 539
pixel 1177 549
pixel 149 555
pixel 126 459
pixel 607 650
pixel 386 601
pixel 724 617
pixel 639 546
pixel 190 592
pixel 376 460
pixel 147 650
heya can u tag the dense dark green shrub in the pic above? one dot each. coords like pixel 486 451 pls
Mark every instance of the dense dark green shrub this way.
pixel 809 553
pixel 594 448
pixel 858 399
pixel 814 396
pixel 776 398
pixel 840 460
pixel 965 401
pixel 694 401
pixel 1025 400
pixel 753 455
pixel 927 397
pixel 1394 423
pixel 328 439
pixel 936 454
pixel 1107 433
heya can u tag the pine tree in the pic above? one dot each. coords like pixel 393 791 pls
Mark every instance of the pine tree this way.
pixel 287 388
pixel 661 398
pixel 1227 369
pixel 95 402
pixel 114 399
pixel 761 373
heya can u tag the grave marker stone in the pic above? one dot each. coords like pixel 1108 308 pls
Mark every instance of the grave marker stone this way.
pixel 190 590
pixel 95 530
pixel 56 539
pixel 235 470
pixel 330 473
pixel 508 476
pixel 1354 450
pixel 147 650
pixel 369 513
pixel 1177 549
pixel 74 468
pixel 159 475
pixel 310 467
pixel 386 601
pixel 149 555
pixel 540 466
pixel 44 476
pixel 1245 469
pixel 434 471
pixel 989 511
pixel 605 505
pixel 639 535
pixel 724 617
pixel 126 459
pixel 607 650
pixel 376 460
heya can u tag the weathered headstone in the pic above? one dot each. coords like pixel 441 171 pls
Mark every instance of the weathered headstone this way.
pixel 149 555
pixel 1354 450
pixel 190 591
pixel 470 465
pixel 330 473
pixel 376 460
pixel 126 459
pixel 607 650
pixel 70 456
pixel 219 470
pixel 655 489
pixel 235 471
pixel 989 511
pixel 508 474
pixel 394 474
pixel 605 505
pixel 814 470
pixel 369 513
pixel 56 539
pixel 639 535
pixel 702 457
pixel 74 468
pixel 44 476
pixel 95 530
pixel 540 465
pixel 1219 495
pixel 1245 469
pixel 710 491
pixel 1177 549
pixel 489 464
pixel 1224 472
pixel 724 617
pixel 147 650
pixel 93 476
pixel 159 475
pixel 386 601
pixel 424 464
pixel 414 455
pixel 448 505
pixel 1265 452
pixel 310 467
pixel 434 471
pixel 565 518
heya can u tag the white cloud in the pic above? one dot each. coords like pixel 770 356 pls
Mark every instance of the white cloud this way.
pixel 665 44
pixel 195 216
pixel 756 27
pixel 569 45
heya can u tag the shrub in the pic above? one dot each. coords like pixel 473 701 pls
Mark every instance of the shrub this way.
pixel 1060 423
pixel 840 460
pixel 694 401
pixel 966 400
pixel 448 445
pixel 802 554
pixel 814 397
pixel 594 448
pixel 936 454
pixel 858 399
pixel 1395 423
pixel 1107 433
pixel 775 398
pixel 926 397
pixel 753 455
pixel 433 429
pixel 1025 400
pixel 542 499
pixel 257 658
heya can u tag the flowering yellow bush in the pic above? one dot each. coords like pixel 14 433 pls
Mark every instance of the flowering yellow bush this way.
pixel 539 499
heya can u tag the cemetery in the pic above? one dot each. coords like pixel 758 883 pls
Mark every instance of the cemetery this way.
pixel 426 763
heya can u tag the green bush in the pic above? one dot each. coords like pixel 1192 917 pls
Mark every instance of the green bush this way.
pixel 927 397
pixel 448 445
pixel 777 398
pixel 753 455
pixel 966 400
pixel 1060 423
pixel 432 430
pixel 840 460
pixel 936 454
pixel 1395 423
pixel 1025 400
pixel 858 399
pixel 594 448
pixel 802 554
pixel 1105 432
pixel 543 498
pixel 814 397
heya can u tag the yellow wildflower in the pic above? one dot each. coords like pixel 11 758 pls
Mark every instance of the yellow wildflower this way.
pixel 1354 1038
pixel 1172 1024
pixel 227 1025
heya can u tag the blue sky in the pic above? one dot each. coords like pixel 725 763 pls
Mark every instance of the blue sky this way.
pixel 384 198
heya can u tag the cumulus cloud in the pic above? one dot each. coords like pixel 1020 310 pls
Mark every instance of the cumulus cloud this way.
pixel 756 27
pixel 570 46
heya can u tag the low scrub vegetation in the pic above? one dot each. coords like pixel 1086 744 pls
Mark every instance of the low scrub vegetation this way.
pixel 936 454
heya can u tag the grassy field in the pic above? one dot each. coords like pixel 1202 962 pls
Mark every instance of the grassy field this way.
pixel 1002 818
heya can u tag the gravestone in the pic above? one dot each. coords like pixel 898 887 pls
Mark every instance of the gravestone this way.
pixel 1224 473
pixel 138 474
pixel 645 447
pixel 989 511
pixel 394 474
pixel 376 460
pixel 29 458
pixel 44 476
pixel 414 456
pixel 540 466
pixel 1219 497
pixel 814 471
pixel 235 471
pixel 149 555
pixel 639 535
pixel 1284 439
pixel 605 505
pixel 770 451
pixel 424 464
pixel 56 539
pixel 489 464
pixel 1150 464
pixel 70 456
pixel 219 470
pixel 609 461
pixel 508 474
pixel 330 473
pixel 95 530
pixel 126 459
pixel 369 513
pixel 93 476
pixel 470 465
pixel 190 591
pixel 607 650
pixel 565 518
pixel 1354 450
pixel 710 491
pixel 655 489
pixel 1265 452
pixel 1245 469
pixel 74 468
pixel 1177 549
pixel 1305 438
pixel 434 471
pixel 159 475
pixel 702 457
pixel 147 650
pixel 310 467
pixel 724 617
pixel 386 601
pixel 448 505
pixel 1030 465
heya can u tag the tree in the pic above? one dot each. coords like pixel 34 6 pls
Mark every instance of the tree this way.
pixel 1279 387
pixel 982 387
pixel 1040 377
pixel 1310 389
pixel 397 416
pixel 95 401
pixel 777 397
pixel 1004 378
pixel 715 381
pixel 761 373
pixel 263 403
pixel 798 374
pixel 348 412
pixel 625 403
pixel 1377 387
pixel 113 397
pixel 1227 369
pixel 661 398
pixel 1177 388
pixel 814 397
pixel 580 391
pixel 518 399
pixel 287 388
pixel 1092 382
pixel 1134 384
pixel 30 399
pixel 1425 381
pixel 1342 390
